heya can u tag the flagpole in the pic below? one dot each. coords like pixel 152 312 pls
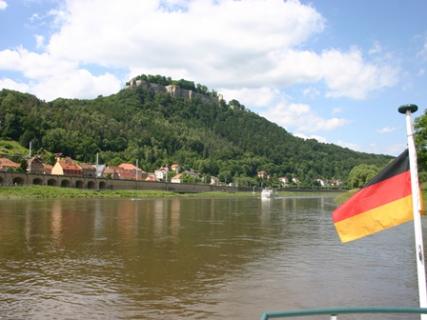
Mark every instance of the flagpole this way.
pixel 416 207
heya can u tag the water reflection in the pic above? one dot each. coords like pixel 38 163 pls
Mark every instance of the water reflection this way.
pixel 191 259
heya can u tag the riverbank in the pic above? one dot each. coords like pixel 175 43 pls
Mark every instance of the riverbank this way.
pixel 49 192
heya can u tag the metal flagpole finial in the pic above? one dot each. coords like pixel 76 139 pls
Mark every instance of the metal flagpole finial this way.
pixel 408 107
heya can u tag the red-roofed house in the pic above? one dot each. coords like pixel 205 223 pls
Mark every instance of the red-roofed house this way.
pixel 6 164
pixel 128 171
pixel 47 168
pixel 66 167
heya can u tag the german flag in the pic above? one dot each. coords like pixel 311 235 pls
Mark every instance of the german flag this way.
pixel 384 202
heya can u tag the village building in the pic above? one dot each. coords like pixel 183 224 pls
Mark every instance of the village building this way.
pixel 35 165
pixel 151 177
pixel 88 170
pixel 214 181
pixel 8 165
pixel 129 171
pixel 320 182
pixel 161 174
pixel 295 180
pixel 47 168
pixel 284 181
pixel 99 170
pixel 263 174
pixel 335 183
pixel 66 167
pixel 111 172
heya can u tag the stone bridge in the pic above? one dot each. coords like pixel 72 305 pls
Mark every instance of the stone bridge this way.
pixel 19 179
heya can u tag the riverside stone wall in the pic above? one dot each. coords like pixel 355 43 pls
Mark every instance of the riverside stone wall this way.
pixel 17 179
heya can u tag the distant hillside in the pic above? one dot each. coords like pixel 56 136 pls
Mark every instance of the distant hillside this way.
pixel 156 125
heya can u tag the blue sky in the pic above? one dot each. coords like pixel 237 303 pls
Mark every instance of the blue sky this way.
pixel 332 70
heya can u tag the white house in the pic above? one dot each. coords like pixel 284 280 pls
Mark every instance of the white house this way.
pixel 161 174
pixel 320 182
pixel 214 181
pixel 284 182
pixel 295 180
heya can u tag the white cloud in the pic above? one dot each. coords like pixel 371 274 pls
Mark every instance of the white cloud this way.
pixel 78 83
pixel 13 85
pixel 3 4
pixel 349 145
pixel 221 32
pixel 346 74
pixel 34 65
pixel 312 136
pixel 300 118
pixel 386 130
pixel 394 149
pixel 274 105
pixel 221 43
pixel 50 77
pixel 252 97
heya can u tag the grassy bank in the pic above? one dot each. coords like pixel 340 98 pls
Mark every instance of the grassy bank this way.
pixel 48 192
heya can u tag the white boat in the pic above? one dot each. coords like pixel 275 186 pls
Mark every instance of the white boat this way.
pixel 267 193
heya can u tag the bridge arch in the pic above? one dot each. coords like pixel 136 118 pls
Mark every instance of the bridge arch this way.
pixel 102 185
pixel 1 181
pixel 91 184
pixel 79 184
pixel 51 182
pixel 18 181
pixel 65 183
pixel 37 181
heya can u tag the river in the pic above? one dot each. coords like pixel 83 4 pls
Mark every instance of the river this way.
pixel 192 259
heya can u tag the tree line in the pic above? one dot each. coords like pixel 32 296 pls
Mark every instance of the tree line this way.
pixel 208 135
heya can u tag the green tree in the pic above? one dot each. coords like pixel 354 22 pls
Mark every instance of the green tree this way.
pixel 213 137
pixel 361 174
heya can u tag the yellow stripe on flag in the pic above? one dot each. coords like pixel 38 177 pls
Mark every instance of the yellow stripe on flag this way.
pixel 375 220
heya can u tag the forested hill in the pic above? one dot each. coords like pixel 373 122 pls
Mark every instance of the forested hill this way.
pixel 158 127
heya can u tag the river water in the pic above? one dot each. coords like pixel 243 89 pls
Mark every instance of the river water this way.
pixel 192 259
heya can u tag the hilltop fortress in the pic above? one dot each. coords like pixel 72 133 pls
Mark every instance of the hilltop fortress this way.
pixel 177 89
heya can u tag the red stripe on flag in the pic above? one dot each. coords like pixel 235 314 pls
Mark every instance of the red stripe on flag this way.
pixel 375 195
